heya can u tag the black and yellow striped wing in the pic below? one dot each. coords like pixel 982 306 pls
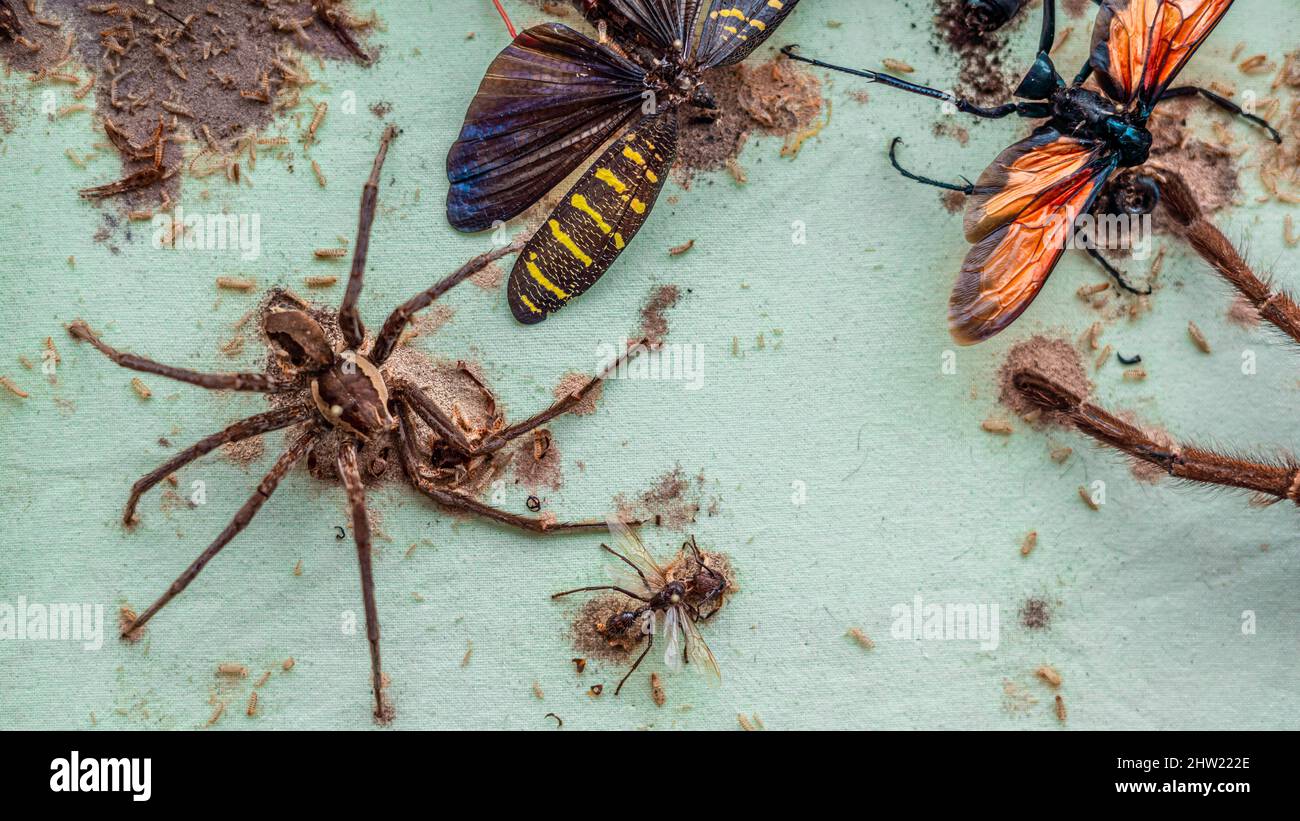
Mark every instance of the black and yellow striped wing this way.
pixel 734 28
pixel 595 220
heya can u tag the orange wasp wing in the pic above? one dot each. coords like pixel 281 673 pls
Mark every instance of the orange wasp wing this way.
pixel 1019 221
pixel 1140 46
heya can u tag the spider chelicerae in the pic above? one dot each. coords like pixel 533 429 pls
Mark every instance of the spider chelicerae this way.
pixel 1271 480
pixel 346 394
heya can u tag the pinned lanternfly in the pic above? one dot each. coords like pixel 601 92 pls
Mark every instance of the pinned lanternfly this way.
pixel 686 591
pixel 555 96
pixel 1021 210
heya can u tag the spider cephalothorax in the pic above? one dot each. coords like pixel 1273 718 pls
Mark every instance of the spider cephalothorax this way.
pixel 344 393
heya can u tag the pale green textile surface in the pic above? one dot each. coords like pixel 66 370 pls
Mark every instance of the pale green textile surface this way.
pixel 906 495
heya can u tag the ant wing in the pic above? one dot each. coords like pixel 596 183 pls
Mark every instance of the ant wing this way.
pixel 697 651
pixel 629 547
pixel 673 639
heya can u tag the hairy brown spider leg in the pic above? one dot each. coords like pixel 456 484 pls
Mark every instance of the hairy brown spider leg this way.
pixel 459 501
pixel 1190 463
pixel 1277 308
pixel 649 642
pixel 244 429
pixel 237 524
pixel 391 332
pixel 213 381
pixel 432 415
pixel 354 331
pixel 499 440
pixel 351 475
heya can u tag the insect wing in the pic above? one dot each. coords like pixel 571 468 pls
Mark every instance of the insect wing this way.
pixel 697 651
pixel 734 28
pixel 549 100
pixel 1020 175
pixel 629 544
pixel 594 221
pixel 1140 46
pixel 673 640
pixel 1005 270
pixel 670 24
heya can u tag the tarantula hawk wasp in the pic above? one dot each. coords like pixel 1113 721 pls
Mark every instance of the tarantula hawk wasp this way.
pixel 1021 209
pixel 345 390
pixel 684 592
pixel 1271 481
pixel 554 96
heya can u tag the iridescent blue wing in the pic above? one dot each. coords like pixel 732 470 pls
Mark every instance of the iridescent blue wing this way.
pixel 547 103
pixel 670 24
pixel 734 28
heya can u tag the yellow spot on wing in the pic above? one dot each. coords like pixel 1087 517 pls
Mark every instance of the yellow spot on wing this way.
pixel 618 241
pixel 633 155
pixel 580 202
pixel 606 176
pixel 528 303
pixel 638 206
pixel 543 281
pixel 651 176
pixel 567 241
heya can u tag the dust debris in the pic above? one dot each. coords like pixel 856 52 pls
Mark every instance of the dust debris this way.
pixel 537 691
pixel 657 693
pixel 861 638
pixel 252 704
pixel 678 250
pixel 596 690
pixel 1015 698
pixel 125 621
pixel 1060 709
pixel 1036 613
pixel 672 502
pixel 953 201
pixel 321 282
pixel 1135 374
pixel 654 325
pixel 490 277
pixel 330 253
pixel 141 389
pixel 750 724
pixel 469 651
pixel 778 98
pixel 579 665
pixel 1053 357
pixel 1048 674
pixel 245 452
pixel 982 77
pixel 1198 337
pixel 232 670
pixel 1029 543
pixel 288 664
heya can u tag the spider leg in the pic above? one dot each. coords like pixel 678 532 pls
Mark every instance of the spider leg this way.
pixel 650 641
pixel 391 332
pixel 354 331
pixel 460 501
pixel 237 524
pixel 351 474
pixel 244 429
pixel 258 382
pixel 499 440
pixel 1226 105
pixel 1275 307
pixel 428 410
pixel 1279 481
pixel 616 589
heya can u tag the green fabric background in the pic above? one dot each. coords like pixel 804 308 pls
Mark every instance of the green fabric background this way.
pixel 905 494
